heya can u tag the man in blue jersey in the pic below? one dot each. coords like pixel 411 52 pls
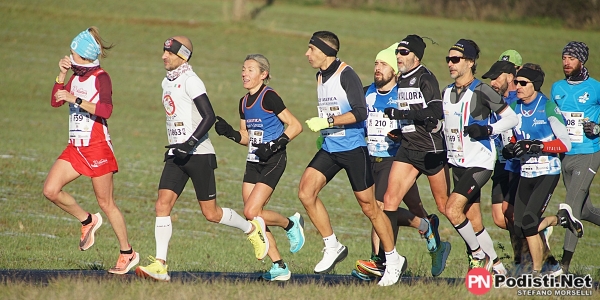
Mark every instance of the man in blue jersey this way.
pixel 382 146
pixel 342 111
pixel 578 97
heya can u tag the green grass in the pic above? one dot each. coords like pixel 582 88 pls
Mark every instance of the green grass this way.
pixel 35 234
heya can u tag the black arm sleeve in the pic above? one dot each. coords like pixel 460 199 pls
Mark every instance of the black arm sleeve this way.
pixel 431 93
pixel 208 116
pixel 356 96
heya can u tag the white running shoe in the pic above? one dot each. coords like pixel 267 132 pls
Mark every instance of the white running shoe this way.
pixel 331 256
pixel 393 271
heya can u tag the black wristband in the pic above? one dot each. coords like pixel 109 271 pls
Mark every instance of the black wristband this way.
pixel 78 101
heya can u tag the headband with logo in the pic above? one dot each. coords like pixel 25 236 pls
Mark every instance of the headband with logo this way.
pixel 174 46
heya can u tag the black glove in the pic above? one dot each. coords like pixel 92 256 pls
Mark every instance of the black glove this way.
pixel 395 135
pixel 591 129
pixel 536 146
pixel 430 124
pixel 398 114
pixel 477 131
pixel 265 150
pixel 223 128
pixel 521 147
pixel 508 151
pixel 182 150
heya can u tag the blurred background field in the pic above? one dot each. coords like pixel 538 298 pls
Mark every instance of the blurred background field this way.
pixel 35 34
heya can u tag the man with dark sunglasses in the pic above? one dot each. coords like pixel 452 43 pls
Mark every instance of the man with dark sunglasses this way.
pixel 468 105
pixel 578 97
pixel 422 148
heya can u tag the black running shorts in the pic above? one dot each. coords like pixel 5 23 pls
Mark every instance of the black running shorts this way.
pixel 469 181
pixel 199 167
pixel 268 172
pixel 356 162
pixel 428 163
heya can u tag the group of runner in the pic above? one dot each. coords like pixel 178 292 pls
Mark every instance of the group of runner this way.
pixel 384 135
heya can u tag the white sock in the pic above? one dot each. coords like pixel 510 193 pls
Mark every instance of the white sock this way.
pixel 486 243
pixel 163 231
pixel 233 219
pixel 498 267
pixel 391 256
pixel 331 241
pixel 468 234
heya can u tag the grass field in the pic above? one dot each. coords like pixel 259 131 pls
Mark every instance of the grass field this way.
pixel 35 234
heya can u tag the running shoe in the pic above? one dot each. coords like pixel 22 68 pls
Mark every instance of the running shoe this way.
pixel 87 232
pixel 296 233
pixel 439 257
pixel 277 273
pixel 374 266
pixel 567 220
pixel 258 238
pixel 393 271
pixel 362 276
pixel 499 270
pixel 552 269
pixel 125 263
pixel 331 256
pixel 547 232
pixel 156 270
pixel 469 260
pixel 432 236
pixel 482 263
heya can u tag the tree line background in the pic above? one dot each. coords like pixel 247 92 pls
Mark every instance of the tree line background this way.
pixel 579 14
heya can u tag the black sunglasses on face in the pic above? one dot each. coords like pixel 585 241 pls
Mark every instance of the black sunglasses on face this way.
pixel 521 82
pixel 453 59
pixel 403 52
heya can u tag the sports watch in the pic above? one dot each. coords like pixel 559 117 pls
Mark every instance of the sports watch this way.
pixel 330 121
pixel 78 101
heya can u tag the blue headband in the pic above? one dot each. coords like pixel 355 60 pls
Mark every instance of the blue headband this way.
pixel 86 46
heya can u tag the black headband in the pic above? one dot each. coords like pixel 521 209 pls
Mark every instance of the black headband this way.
pixel 174 46
pixel 321 45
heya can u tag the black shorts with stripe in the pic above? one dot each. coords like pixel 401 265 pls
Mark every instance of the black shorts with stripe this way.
pixel 199 167
pixel 268 172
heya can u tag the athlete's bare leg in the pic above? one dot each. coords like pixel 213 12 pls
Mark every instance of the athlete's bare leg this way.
pixel 311 183
pixel 401 179
pixel 103 188
pixel 61 174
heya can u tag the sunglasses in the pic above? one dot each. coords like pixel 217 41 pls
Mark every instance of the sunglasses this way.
pixel 454 59
pixel 521 82
pixel 403 52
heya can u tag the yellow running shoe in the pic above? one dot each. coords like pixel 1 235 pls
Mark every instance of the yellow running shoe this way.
pixel 258 238
pixel 156 270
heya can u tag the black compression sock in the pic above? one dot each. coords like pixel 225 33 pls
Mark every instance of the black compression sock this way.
pixel 130 251
pixel 88 220
pixel 290 225
pixel 280 263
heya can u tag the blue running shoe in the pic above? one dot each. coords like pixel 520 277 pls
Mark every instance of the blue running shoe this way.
pixel 362 276
pixel 439 257
pixel 277 273
pixel 296 233
pixel 432 235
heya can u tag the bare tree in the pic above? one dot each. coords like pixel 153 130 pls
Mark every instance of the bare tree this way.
pixel 239 9
pixel 240 12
